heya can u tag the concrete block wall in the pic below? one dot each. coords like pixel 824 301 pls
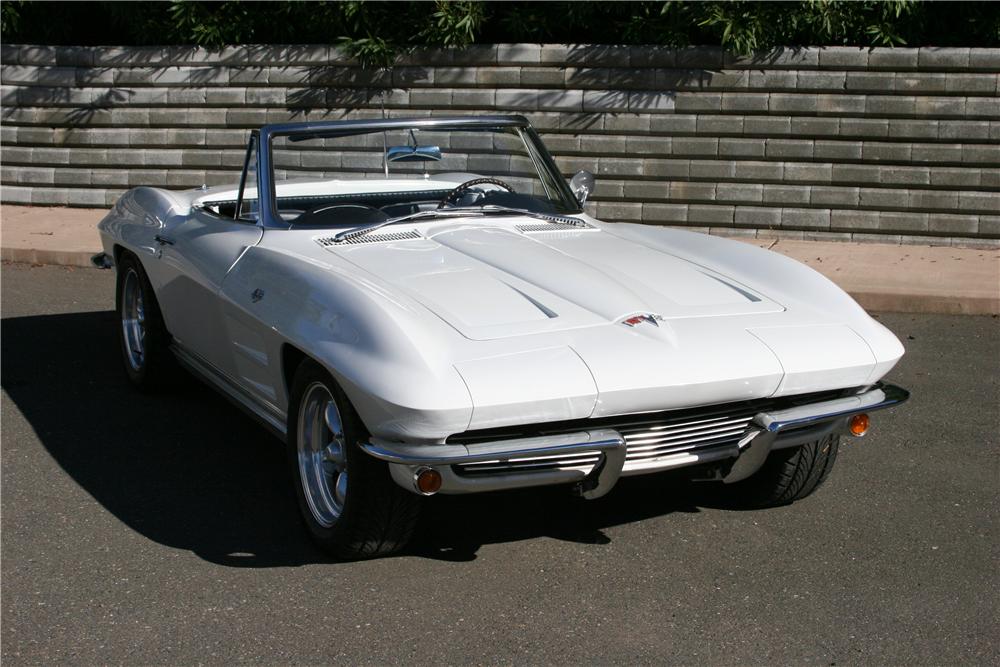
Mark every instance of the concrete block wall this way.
pixel 891 145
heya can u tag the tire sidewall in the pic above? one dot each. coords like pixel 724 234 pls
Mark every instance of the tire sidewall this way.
pixel 788 475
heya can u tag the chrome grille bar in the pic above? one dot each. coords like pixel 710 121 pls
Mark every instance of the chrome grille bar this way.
pixel 526 465
pixel 691 448
pixel 685 443
pixel 664 437
pixel 638 431
pixel 652 441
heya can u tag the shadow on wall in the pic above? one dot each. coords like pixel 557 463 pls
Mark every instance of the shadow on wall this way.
pixel 341 90
pixel 341 87
pixel 189 471
pixel 618 85
pixel 150 60
pixel 83 115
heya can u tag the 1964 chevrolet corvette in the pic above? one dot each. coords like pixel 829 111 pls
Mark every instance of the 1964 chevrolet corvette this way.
pixel 421 306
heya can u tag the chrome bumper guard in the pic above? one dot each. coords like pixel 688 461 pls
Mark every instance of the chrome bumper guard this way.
pixel 608 444
pixel 780 429
pixel 878 397
pixel 602 453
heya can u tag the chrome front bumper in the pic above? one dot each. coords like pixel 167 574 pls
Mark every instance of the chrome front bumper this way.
pixel 595 459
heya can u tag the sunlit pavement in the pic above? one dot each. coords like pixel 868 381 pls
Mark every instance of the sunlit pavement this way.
pixel 154 530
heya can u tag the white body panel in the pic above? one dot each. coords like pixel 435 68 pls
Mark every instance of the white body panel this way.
pixel 476 323
pixel 193 264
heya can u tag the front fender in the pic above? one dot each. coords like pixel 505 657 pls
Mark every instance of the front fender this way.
pixel 783 279
pixel 387 352
pixel 136 218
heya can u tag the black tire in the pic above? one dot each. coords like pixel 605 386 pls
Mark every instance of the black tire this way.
pixel 377 517
pixel 786 476
pixel 157 367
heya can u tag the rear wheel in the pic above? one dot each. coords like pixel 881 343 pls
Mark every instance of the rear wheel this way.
pixel 348 501
pixel 143 337
pixel 786 476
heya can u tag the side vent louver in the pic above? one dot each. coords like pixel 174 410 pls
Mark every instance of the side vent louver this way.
pixel 328 241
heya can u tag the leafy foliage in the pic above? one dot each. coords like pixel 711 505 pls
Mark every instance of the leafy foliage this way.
pixel 10 17
pixel 454 24
pixel 204 25
pixel 377 32
pixel 746 27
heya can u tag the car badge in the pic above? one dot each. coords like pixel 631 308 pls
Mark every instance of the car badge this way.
pixel 650 318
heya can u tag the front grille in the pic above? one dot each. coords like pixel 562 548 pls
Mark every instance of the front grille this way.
pixel 645 441
pixel 655 440
pixel 648 438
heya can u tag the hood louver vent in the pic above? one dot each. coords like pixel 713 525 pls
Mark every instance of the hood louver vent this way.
pixel 552 227
pixel 329 241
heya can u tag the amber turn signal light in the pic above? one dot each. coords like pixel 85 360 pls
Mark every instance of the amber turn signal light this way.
pixel 428 481
pixel 859 424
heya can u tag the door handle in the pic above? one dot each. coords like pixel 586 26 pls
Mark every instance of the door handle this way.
pixel 163 240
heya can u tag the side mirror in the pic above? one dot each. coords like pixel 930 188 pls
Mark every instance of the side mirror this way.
pixel 582 184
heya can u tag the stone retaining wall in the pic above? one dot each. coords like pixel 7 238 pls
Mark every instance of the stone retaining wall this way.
pixel 894 145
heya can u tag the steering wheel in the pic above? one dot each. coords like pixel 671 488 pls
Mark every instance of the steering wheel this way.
pixel 452 197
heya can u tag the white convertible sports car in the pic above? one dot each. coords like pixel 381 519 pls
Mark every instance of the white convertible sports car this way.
pixel 421 306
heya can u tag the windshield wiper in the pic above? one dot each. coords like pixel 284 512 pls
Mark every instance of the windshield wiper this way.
pixel 547 217
pixel 460 212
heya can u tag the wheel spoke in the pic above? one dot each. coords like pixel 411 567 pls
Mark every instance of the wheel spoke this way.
pixel 340 491
pixel 332 419
pixel 334 453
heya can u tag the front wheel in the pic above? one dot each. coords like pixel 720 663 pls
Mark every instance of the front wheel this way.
pixel 348 501
pixel 142 334
pixel 786 476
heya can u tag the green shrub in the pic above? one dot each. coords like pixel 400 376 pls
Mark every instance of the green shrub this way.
pixel 376 32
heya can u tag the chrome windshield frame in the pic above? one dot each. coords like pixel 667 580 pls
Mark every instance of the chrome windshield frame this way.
pixel 268 211
pixel 253 149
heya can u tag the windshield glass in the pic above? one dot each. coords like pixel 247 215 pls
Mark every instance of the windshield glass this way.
pixel 366 178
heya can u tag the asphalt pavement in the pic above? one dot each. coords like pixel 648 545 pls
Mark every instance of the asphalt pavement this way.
pixel 161 530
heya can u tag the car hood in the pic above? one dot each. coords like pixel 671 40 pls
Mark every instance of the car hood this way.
pixel 496 282
pixel 528 320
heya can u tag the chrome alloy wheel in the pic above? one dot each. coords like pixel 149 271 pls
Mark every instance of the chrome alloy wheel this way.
pixel 322 454
pixel 133 320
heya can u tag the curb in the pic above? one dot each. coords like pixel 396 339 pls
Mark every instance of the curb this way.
pixel 55 257
pixel 926 304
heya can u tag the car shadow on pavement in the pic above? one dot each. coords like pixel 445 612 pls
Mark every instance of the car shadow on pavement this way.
pixel 455 527
pixel 189 471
